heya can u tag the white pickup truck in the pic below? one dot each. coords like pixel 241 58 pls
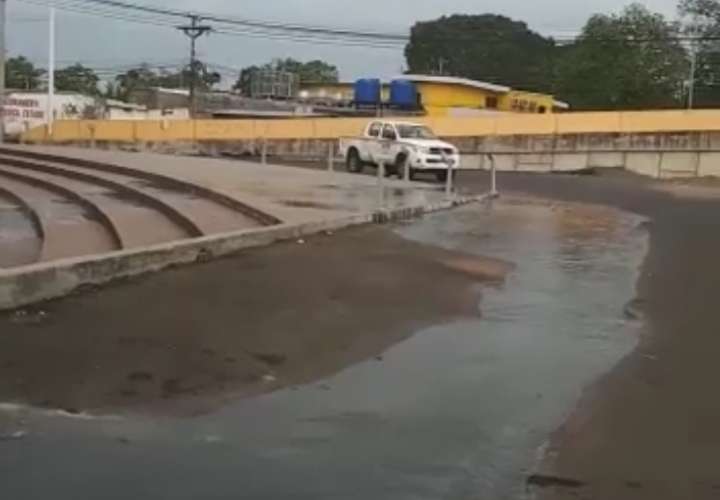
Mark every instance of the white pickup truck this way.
pixel 399 145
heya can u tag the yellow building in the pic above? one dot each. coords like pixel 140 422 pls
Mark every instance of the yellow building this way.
pixel 452 96
pixel 448 96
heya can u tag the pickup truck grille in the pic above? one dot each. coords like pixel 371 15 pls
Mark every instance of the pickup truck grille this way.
pixel 439 151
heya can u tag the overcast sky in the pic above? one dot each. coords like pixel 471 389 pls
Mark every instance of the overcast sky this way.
pixel 108 43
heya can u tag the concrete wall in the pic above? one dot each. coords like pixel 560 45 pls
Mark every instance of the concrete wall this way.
pixel 567 124
pixel 661 144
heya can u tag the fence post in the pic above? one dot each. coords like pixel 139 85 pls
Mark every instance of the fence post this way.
pixel 659 165
pixel 493 177
pixel 263 154
pixel 381 184
pixel 331 156
pixel 406 169
pixel 449 176
pixel 93 141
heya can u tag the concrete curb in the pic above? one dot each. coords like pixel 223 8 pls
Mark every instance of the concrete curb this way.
pixel 23 286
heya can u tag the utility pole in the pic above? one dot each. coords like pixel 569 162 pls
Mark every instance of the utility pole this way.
pixel 51 73
pixel 194 31
pixel 3 6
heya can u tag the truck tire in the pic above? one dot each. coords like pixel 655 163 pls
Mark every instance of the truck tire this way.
pixel 354 163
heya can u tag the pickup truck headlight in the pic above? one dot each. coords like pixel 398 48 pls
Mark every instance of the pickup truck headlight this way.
pixel 423 150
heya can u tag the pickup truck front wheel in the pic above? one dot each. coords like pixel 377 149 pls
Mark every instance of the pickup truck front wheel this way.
pixel 354 163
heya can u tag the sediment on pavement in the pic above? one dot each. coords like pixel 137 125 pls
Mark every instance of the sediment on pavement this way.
pixel 184 341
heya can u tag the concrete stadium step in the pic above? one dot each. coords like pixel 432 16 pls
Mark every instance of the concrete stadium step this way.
pixel 135 222
pixel 68 224
pixel 199 215
pixel 161 181
pixel 21 231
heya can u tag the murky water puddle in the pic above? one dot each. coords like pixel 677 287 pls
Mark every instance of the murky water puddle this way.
pixel 458 411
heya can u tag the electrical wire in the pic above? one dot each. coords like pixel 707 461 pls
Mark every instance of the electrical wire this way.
pixel 227 28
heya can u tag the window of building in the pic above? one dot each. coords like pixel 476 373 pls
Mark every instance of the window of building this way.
pixel 491 102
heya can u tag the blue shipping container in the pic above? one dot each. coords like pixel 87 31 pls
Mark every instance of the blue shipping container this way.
pixel 367 91
pixel 403 94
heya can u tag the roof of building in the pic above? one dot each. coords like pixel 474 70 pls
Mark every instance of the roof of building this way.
pixel 114 103
pixel 453 80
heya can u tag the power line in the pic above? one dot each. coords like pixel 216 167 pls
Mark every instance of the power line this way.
pixel 322 30
pixel 269 30
pixel 250 29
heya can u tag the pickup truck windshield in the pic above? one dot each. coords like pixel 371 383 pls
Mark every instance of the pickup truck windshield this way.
pixel 415 132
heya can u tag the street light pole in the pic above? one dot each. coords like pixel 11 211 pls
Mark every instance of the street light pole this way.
pixel 51 73
pixel 691 84
pixel 3 6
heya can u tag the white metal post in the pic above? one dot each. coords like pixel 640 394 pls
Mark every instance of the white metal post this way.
pixel 381 184
pixel 691 83
pixel 331 156
pixel 406 167
pixel 51 73
pixel 449 177
pixel 493 177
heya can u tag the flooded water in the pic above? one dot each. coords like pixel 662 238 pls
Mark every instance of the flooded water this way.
pixel 458 411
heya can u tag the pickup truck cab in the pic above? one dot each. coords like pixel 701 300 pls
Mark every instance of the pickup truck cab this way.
pixel 398 145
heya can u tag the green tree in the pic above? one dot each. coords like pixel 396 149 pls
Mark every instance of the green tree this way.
pixel 20 73
pixel 312 71
pixel 703 21
pixel 482 47
pixel 144 76
pixel 77 78
pixel 630 60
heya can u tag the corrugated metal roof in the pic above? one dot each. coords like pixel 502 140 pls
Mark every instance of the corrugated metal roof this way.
pixel 452 80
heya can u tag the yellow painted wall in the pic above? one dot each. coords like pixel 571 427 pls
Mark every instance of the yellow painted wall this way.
pixel 332 128
pixel 438 98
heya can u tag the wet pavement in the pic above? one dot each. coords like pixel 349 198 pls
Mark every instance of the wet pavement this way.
pixel 460 410
pixel 19 240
